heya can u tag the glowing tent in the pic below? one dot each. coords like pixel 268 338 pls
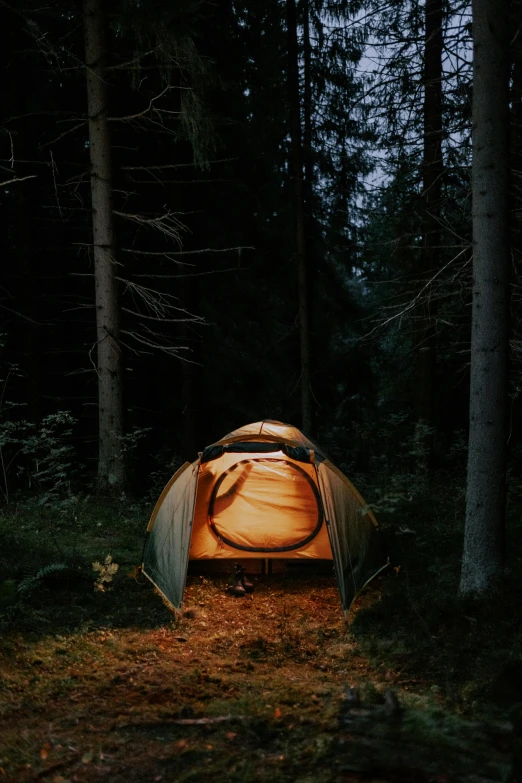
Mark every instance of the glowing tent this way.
pixel 263 491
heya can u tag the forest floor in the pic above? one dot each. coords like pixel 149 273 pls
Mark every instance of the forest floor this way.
pixel 111 686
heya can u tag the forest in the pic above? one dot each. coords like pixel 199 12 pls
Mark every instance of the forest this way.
pixel 222 213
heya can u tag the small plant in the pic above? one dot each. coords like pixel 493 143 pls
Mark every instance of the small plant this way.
pixel 129 442
pixel 51 456
pixel 30 583
pixel 166 464
pixel 40 455
pixel 106 572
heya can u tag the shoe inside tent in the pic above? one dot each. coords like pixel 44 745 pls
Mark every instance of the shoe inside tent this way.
pixel 263 491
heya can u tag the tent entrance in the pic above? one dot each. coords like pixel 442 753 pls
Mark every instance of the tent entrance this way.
pixel 258 494
pixel 265 505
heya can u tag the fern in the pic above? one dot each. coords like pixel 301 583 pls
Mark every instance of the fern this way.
pixel 30 583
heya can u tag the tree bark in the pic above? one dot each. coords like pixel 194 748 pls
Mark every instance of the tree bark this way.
pixel 29 295
pixel 296 169
pixel 483 554
pixel 307 111
pixel 189 386
pixel 432 180
pixel 516 133
pixel 111 471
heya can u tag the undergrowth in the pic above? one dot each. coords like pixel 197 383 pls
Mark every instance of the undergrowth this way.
pixel 48 552
pixel 113 670
pixel 455 653
pixel 84 634
pixel 467 653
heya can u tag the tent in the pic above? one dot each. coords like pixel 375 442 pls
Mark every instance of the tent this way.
pixel 263 491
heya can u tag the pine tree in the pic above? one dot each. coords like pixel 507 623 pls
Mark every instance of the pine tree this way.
pixel 297 173
pixel 111 470
pixel 432 173
pixel 483 554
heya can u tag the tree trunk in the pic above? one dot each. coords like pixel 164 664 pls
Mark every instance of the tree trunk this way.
pixel 307 111
pixel 29 295
pixel 189 391
pixel 111 473
pixel 516 133
pixel 483 554
pixel 299 214
pixel 432 175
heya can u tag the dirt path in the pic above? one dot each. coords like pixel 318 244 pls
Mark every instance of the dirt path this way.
pixel 242 689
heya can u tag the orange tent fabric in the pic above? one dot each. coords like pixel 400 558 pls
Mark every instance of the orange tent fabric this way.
pixel 264 490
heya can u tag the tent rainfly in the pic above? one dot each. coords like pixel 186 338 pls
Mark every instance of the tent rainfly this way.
pixel 263 491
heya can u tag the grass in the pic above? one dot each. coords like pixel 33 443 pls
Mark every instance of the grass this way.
pixel 110 685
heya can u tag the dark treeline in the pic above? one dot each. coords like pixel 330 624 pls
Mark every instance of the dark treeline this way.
pixel 285 193
pixel 203 197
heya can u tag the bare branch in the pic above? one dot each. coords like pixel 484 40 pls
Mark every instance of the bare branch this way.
pixel 145 111
pixel 155 344
pixel 160 305
pixel 237 249
pixel 173 165
pixel 415 300
pixel 65 133
pixel 166 224
pixel 17 179
pixel 196 274
pixel 54 170
pixel 164 320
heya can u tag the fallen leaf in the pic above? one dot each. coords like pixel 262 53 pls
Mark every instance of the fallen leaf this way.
pixel 181 744
pixel 277 713
pixel 87 757
pixel 209 747
pixel 44 753
pixel 231 735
